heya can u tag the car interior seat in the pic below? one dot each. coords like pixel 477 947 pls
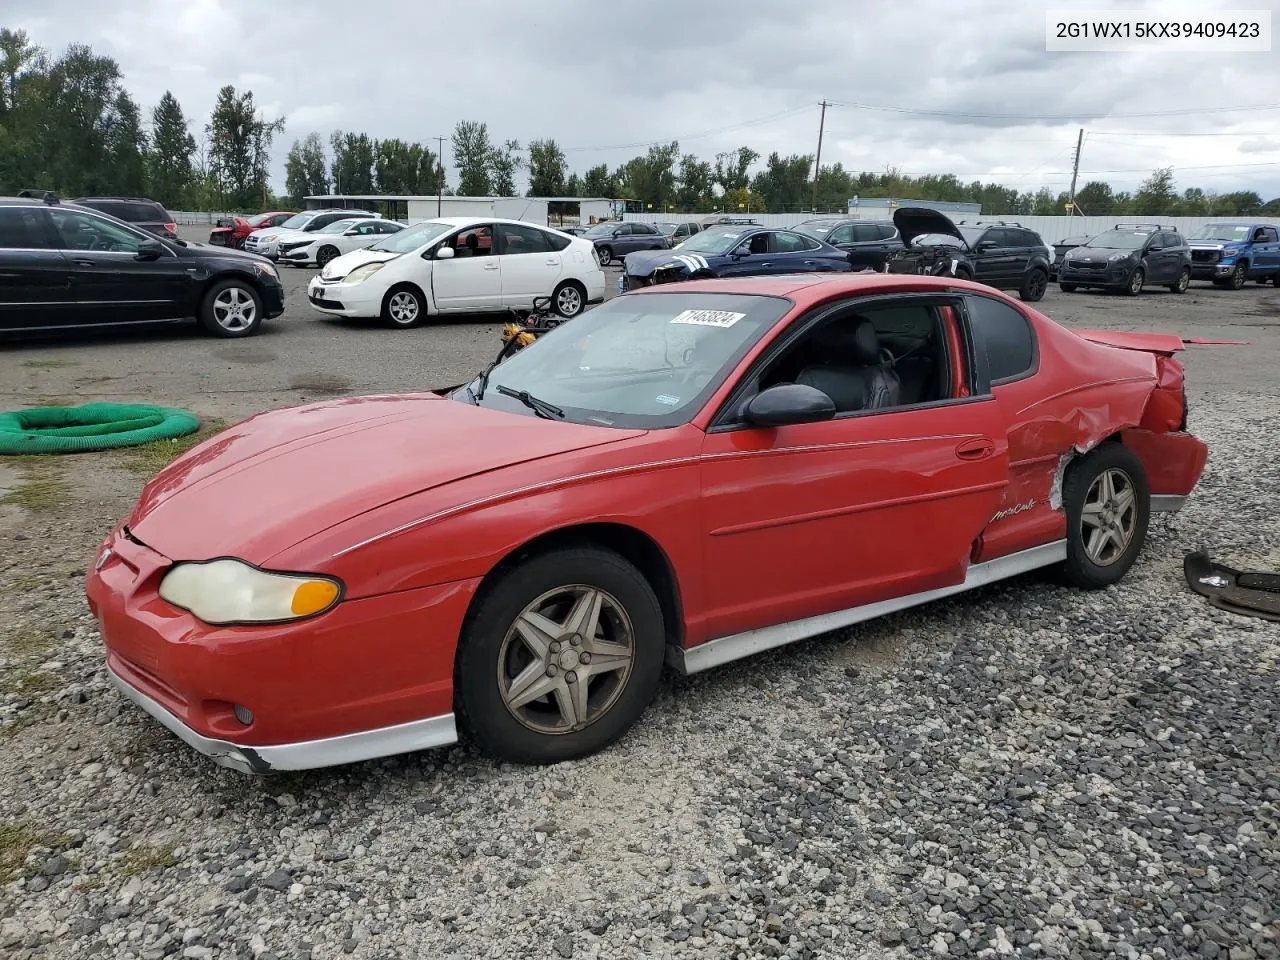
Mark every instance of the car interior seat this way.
pixel 854 370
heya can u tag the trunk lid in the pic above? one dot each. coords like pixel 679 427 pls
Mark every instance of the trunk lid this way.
pixel 1161 344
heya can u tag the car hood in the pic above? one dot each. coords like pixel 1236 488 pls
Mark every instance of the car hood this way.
pixel 914 222
pixel 1215 244
pixel 282 476
pixel 644 263
pixel 199 250
pixel 341 266
pixel 1098 253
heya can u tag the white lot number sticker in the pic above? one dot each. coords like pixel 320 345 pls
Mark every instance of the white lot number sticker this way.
pixel 708 318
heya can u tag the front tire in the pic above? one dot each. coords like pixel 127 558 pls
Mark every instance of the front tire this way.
pixel 560 657
pixel 1034 286
pixel 325 254
pixel 403 307
pixel 1183 281
pixel 1135 282
pixel 231 308
pixel 1238 277
pixel 1108 506
pixel 570 299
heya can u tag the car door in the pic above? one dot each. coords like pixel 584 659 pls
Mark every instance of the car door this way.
pixel 1160 261
pixel 113 282
pixel 530 267
pixel 1022 244
pixel 994 260
pixel 471 280
pixel 1267 245
pixel 748 258
pixel 806 519
pixel 843 237
pixel 35 280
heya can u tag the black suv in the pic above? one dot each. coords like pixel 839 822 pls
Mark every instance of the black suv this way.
pixel 65 265
pixel 869 243
pixel 614 240
pixel 1128 257
pixel 1000 253
pixel 146 214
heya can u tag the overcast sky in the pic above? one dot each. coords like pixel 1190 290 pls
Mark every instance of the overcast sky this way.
pixel 604 80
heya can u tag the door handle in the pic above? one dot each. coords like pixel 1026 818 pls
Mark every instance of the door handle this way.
pixel 553 262
pixel 491 266
pixel 83 262
pixel 978 448
pixel 766 264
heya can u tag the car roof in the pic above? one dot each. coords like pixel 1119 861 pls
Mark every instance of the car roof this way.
pixel 807 288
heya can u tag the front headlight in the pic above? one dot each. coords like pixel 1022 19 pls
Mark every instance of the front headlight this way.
pixel 1229 252
pixel 269 236
pixel 363 272
pixel 229 591
pixel 1117 256
pixel 267 270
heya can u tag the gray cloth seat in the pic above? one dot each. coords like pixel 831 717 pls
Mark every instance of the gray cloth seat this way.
pixel 855 372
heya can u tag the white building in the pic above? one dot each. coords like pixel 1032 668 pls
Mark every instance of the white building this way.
pixel 411 209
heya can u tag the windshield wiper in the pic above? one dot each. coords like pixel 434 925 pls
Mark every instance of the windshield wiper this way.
pixel 540 407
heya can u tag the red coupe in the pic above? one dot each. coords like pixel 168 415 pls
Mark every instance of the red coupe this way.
pixel 687 474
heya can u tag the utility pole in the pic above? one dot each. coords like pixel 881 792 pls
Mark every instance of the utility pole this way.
pixel 440 182
pixel 817 165
pixel 1075 170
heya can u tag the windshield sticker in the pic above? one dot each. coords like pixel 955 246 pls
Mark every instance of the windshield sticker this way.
pixel 666 398
pixel 708 318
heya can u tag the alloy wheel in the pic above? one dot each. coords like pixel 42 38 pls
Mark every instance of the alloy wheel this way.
pixel 1109 517
pixel 566 659
pixel 403 307
pixel 1237 277
pixel 234 309
pixel 1135 282
pixel 569 301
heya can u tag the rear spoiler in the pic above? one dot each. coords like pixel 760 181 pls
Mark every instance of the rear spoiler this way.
pixel 1166 344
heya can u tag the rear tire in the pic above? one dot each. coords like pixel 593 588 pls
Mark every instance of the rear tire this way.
pixel 231 308
pixel 606 255
pixel 403 307
pixel 570 299
pixel 626 626
pixel 1106 527
pixel 1033 286
pixel 1183 281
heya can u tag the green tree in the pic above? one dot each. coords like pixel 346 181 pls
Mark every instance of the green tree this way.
pixel 730 170
pixel 784 182
pixel 304 169
pixel 172 147
pixel 472 155
pixel 598 182
pixel 651 178
pixel 126 147
pixel 23 104
pixel 1095 199
pixel 695 183
pixel 548 170
pixel 78 117
pixel 835 189
pixel 239 149
pixel 573 186
pixel 504 163
pixel 1239 203
pixel 352 167
pixel 1156 196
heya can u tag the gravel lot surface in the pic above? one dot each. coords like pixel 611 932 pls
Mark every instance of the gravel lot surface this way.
pixel 1026 771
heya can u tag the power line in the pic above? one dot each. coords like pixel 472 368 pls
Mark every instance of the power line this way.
pixel 1171 133
pixel 969 115
pixel 1067 173
pixel 693 136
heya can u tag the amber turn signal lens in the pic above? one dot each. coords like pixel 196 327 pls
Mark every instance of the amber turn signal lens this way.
pixel 314 596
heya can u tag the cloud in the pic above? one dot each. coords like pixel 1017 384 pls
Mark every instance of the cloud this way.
pixel 601 78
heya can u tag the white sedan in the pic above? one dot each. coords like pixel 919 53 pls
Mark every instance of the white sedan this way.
pixel 339 237
pixel 460 265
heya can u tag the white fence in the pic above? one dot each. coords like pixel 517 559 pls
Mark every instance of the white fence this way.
pixel 1051 229
pixel 196 217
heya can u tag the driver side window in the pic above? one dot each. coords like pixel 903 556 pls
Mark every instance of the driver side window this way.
pixel 473 242
pixel 80 231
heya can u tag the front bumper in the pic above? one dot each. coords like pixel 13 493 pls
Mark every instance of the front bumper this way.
pixel 310 707
pixel 345 299
pixel 301 255
pixel 1110 275
pixel 1212 271
pixel 272 298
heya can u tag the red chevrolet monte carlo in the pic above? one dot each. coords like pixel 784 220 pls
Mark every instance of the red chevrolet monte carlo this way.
pixel 689 473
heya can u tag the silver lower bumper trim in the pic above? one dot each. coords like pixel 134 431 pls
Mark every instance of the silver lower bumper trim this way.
pixel 438 731
pixel 1167 503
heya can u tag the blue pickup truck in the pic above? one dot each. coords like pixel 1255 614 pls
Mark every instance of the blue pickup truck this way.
pixel 1229 252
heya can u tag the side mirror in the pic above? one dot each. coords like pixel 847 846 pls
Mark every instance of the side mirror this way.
pixel 740 253
pixel 788 403
pixel 149 250
pixel 1154 248
pixel 986 244
pixel 617 233
pixel 444 253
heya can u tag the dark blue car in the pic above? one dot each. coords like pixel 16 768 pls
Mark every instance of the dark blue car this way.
pixel 733 250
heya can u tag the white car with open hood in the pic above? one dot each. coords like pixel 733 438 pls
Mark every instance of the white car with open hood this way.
pixel 460 265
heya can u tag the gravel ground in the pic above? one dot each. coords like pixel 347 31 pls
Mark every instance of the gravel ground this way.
pixel 1026 771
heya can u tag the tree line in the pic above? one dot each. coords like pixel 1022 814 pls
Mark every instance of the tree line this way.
pixel 68 124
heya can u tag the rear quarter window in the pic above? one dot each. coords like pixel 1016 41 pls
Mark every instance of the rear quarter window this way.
pixel 1005 337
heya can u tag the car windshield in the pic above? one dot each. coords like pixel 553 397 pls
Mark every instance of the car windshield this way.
pixel 818 229
pixel 297 221
pixel 712 240
pixel 667 229
pixel 411 238
pixel 1119 240
pixel 338 226
pixel 601 230
pixel 1231 232
pixel 258 220
pixel 647 360
pixel 937 240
